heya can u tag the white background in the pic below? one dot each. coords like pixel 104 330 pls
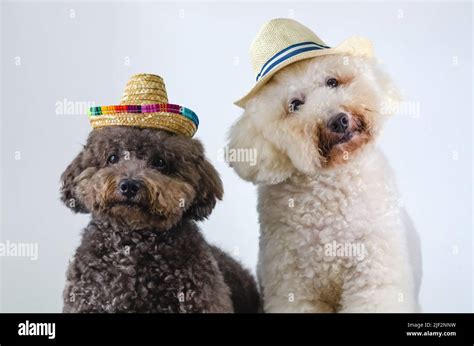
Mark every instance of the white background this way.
pixel 201 50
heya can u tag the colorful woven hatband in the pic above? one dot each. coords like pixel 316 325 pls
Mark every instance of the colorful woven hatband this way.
pixel 145 104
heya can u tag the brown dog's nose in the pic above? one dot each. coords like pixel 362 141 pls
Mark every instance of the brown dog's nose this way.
pixel 339 123
pixel 129 187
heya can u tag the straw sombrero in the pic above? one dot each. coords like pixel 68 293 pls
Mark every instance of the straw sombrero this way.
pixel 145 104
pixel 284 41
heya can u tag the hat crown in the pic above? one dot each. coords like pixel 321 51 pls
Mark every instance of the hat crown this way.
pixel 277 35
pixel 282 42
pixel 143 89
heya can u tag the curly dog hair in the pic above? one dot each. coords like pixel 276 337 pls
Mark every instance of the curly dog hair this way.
pixel 325 184
pixel 142 251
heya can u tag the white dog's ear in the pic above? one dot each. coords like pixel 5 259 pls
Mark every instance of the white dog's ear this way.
pixel 253 157
pixel 391 95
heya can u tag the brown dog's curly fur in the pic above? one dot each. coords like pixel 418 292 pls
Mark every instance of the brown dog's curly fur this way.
pixel 145 253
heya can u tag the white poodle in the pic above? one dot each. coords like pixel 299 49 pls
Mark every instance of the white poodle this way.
pixel 334 236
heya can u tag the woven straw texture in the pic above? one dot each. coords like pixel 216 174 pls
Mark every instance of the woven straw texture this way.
pixel 144 89
pixel 279 34
pixel 147 89
pixel 275 36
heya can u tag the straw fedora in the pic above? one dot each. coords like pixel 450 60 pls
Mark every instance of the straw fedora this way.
pixel 145 104
pixel 283 41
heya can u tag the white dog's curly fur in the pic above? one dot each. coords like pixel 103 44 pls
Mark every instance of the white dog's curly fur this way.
pixel 323 191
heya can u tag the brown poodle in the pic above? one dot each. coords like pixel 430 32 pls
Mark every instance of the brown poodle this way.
pixel 142 251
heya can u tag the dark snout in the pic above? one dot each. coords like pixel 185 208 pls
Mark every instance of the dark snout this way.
pixel 339 123
pixel 129 187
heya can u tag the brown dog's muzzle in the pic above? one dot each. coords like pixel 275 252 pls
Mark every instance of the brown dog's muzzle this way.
pixel 129 187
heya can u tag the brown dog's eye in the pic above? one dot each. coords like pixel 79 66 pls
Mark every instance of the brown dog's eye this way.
pixel 332 82
pixel 113 159
pixel 159 163
pixel 294 105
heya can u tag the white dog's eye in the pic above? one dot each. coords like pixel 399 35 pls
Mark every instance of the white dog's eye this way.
pixel 294 105
pixel 332 82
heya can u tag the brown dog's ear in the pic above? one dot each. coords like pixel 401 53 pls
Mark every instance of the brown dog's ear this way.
pixel 69 185
pixel 208 191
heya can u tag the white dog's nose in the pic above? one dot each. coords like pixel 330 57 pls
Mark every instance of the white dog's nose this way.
pixel 339 123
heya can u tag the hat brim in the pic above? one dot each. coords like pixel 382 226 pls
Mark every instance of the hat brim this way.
pixel 355 46
pixel 171 122
pixel 165 116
